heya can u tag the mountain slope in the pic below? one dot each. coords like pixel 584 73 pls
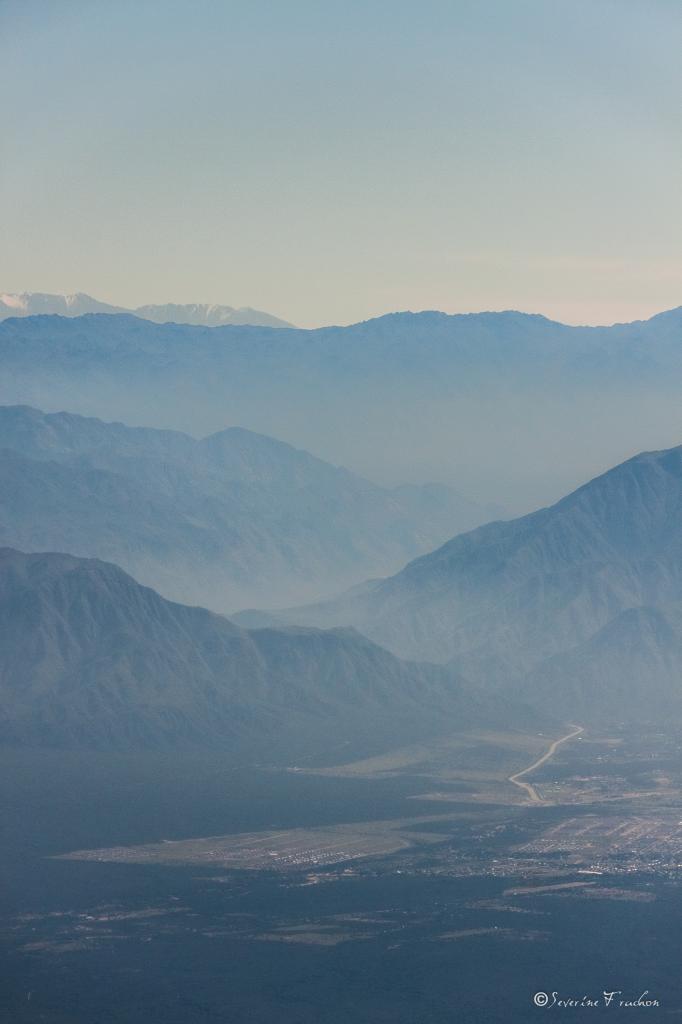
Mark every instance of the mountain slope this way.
pixel 27 304
pixel 573 599
pixel 508 405
pixel 208 315
pixel 89 658
pixel 233 519
pixel 633 662
pixel 38 303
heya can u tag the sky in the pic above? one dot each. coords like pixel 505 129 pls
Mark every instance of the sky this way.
pixel 332 162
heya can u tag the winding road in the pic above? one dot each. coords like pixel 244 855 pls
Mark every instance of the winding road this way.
pixel 551 750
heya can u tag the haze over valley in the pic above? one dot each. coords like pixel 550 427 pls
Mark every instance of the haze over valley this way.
pixel 567 612
pixel 471 701
pixel 228 521
pixel 340 512
pixel 576 606
pixel 505 407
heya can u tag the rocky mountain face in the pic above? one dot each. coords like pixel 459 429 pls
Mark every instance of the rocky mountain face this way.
pixel 577 607
pixel 507 406
pixel 89 658
pixel 205 314
pixel 231 520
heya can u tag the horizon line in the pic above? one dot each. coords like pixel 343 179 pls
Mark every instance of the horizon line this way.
pixel 132 312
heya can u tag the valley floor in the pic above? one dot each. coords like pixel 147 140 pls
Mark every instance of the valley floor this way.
pixel 202 890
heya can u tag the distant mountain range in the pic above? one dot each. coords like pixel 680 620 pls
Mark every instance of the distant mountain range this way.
pixel 576 608
pixel 90 659
pixel 232 520
pixel 39 304
pixel 508 406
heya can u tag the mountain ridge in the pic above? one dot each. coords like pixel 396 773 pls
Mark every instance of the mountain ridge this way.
pixel 511 602
pixel 508 406
pixel 89 658
pixel 222 520
pixel 26 304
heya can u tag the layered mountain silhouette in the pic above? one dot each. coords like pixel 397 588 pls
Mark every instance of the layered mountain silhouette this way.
pixel 234 519
pixel 91 659
pixel 38 303
pixel 510 406
pixel 577 607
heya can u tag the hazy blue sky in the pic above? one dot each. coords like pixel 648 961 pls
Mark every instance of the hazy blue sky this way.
pixel 329 162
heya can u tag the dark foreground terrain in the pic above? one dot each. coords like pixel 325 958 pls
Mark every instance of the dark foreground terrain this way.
pixel 490 904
